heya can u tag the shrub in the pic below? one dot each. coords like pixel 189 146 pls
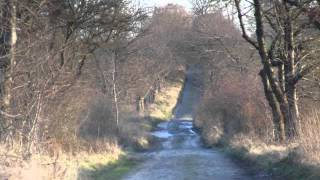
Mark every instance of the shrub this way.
pixel 234 105
pixel 80 117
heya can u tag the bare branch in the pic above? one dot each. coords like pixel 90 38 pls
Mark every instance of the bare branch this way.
pixel 243 29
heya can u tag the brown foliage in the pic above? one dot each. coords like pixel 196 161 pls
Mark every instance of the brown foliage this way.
pixel 234 105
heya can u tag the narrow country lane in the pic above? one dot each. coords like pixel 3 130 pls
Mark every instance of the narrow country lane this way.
pixel 182 156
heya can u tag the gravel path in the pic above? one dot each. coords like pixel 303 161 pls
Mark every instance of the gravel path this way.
pixel 182 156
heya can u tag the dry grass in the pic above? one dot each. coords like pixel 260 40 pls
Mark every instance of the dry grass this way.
pixel 309 139
pixel 67 142
pixel 134 132
pixel 65 166
pixel 165 101
pixel 256 147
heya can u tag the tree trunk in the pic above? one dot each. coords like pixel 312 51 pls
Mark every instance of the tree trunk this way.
pixel 278 119
pixel 292 123
pixel 9 67
pixel 140 104
pixel 101 75
pixel 281 75
pixel 290 71
pixel 114 85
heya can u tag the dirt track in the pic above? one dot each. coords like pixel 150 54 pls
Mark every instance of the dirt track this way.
pixel 182 156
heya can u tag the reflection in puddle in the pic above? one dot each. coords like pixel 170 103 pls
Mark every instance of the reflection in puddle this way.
pixel 162 134
pixel 163 125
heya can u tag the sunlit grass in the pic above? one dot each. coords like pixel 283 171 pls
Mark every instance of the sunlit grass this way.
pixel 166 101
pixel 106 166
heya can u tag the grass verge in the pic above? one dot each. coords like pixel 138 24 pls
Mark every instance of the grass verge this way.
pixel 287 167
pixel 107 168
pixel 165 102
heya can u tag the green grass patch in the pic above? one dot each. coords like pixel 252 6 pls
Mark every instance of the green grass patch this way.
pixel 114 169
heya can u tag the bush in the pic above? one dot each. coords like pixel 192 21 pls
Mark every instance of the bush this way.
pixel 133 132
pixel 82 118
pixel 234 105
pixel 99 121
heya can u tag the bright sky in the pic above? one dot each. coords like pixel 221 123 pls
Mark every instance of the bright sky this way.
pixel 152 3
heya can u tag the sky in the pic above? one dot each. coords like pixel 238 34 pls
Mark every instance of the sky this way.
pixel 152 3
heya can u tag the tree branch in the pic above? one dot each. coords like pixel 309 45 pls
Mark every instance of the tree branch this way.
pixel 243 29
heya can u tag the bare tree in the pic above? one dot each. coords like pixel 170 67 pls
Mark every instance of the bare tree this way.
pixel 282 38
pixel 286 42
pixel 67 33
pixel 201 7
